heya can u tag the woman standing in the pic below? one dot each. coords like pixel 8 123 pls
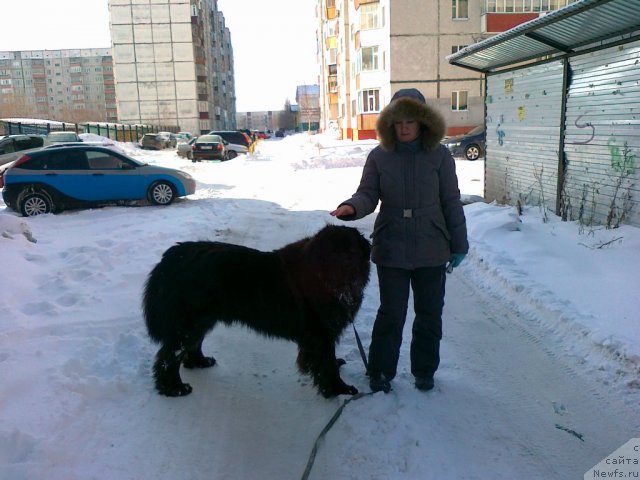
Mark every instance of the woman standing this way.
pixel 419 229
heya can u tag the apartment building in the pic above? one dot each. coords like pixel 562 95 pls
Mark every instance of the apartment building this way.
pixel 266 120
pixel 308 100
pixel 369 49
pixel 173 64
pixel 58 84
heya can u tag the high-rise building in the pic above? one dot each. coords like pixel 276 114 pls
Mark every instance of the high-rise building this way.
pixel 68 85
pixel 369 49
pixel 173 64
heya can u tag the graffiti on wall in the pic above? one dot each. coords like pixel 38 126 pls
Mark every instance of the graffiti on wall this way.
pixel 583 126
pixel 499 131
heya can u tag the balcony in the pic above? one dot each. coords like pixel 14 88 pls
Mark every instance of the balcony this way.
pixel 357 3
pixel 501 22
pixel 332 84
pixel 331 42
pixel 332 12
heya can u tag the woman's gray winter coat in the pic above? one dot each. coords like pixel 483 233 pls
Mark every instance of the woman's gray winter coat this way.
pixel 421 220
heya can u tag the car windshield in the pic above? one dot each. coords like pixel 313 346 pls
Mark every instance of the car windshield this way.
pixel 476 131
pixel 209 139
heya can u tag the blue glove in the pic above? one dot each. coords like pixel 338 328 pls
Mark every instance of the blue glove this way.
pixel 456 259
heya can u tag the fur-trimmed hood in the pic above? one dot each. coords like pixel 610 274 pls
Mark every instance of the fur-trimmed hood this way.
pixel 432 124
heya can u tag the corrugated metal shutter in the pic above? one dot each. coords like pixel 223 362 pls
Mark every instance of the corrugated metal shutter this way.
pixel 523 120
pixel 602 140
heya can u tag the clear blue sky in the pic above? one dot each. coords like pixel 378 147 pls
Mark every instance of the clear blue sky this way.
pixel 274 42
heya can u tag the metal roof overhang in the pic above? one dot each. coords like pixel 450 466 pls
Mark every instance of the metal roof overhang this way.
pixel 560 32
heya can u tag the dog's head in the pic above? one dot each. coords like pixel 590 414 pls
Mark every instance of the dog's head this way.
pixel 336 242
pixel 340 257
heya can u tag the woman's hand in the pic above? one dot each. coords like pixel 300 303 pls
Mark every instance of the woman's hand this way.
pixel 343 211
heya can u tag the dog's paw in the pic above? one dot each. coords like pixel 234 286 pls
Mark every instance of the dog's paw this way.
pixel 350 390
pixel 175 390
pixel 198 362
pixel 334 391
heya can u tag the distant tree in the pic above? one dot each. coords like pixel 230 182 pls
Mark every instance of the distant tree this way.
pixel 14 106
pixel 305 103
pixel 286 118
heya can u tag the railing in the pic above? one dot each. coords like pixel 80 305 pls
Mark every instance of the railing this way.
pixel 114 131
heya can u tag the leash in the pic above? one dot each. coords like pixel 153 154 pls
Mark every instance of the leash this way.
pixel 314 450
pixel 361 348
pixel 327 427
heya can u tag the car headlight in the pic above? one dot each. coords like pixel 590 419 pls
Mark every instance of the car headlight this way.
pixel 454 144
pixel 184 175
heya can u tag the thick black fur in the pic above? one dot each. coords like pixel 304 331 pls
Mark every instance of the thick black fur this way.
pixel 306 292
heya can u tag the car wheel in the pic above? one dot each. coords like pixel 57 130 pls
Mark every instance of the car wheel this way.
pixel 161 193
pixel 35 203
pixel 231 154
pixel 472 152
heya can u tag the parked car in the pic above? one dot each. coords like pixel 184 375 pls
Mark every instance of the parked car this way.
pixel 234 136
pixel 234 149
pixel 51 180
pixel 280 133
pixel 171 139
pixel 153 141
pixel 63 137
pixel 13 146
pixel 209 147
pixel 471 145
pixel 184 136
pixel 185 148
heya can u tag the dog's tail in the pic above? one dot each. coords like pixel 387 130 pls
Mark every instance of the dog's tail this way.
pixel 158 304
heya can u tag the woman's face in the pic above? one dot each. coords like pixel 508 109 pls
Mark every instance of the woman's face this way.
pixel 407 130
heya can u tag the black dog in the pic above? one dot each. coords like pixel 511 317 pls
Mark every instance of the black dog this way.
pixel 306 292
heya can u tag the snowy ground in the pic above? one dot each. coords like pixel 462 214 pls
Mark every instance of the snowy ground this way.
pixel 540 374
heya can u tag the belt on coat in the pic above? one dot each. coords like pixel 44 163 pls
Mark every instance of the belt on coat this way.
pixel 408 212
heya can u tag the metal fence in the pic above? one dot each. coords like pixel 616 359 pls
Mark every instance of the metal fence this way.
pixel 114 131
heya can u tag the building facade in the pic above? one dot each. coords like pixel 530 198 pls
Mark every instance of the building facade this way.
pixel 308 100
pixel 369 49
pixel 173 64
pixel 69 85
pixel 264 121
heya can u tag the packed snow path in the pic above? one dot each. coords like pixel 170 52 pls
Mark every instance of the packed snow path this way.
pixel 505 406
pixel 512 401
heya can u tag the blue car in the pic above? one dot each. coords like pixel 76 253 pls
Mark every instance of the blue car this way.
pixel 56 179
pixel 470 145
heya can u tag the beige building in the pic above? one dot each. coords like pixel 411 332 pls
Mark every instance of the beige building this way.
pixel 173 64
pixel 369 49
pixel 67 85
pixel 268 120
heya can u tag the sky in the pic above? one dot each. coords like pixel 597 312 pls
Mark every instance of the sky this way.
pixel 540 356
pixel 273 42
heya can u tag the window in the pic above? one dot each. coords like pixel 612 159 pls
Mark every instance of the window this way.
pixel 369 16
pixel 101 161
pixel 369 58
pixel 460 9
pixel 369 101
pixel 459 100
pixel 457 48
pixel 67 161
pixel 333 84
